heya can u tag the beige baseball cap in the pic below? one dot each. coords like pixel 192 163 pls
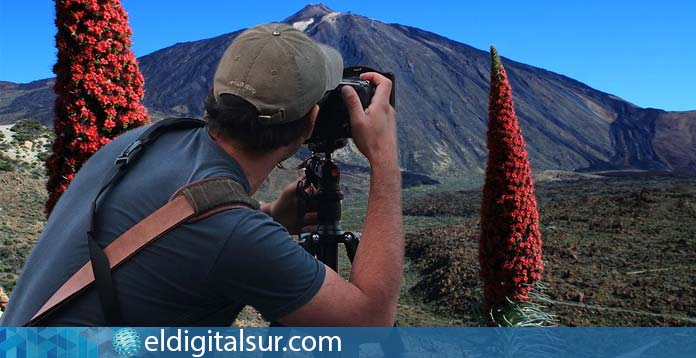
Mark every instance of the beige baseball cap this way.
pixel 278 69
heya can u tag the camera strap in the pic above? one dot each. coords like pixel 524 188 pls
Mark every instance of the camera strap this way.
pixel 190 203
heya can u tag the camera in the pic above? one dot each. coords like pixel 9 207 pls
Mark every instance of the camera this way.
pixel 332 127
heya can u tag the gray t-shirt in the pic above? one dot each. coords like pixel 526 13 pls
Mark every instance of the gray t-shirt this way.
pixel 199 274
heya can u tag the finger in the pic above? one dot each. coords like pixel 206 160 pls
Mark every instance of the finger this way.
pixel 384 86
pixel 292 186
pixel 352 101
pixel 311 190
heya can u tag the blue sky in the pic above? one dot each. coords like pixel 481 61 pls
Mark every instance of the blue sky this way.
pixel 642 51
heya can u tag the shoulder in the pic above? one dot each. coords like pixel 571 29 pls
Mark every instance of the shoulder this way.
pixel 246 223
pixel 250 218
pixel 251 224
pixel 254 237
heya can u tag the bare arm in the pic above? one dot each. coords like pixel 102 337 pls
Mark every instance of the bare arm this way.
pixel 370 296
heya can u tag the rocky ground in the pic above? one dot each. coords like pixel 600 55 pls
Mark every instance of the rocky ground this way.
pixel 21 222
pixel 618 251
pixel 23 148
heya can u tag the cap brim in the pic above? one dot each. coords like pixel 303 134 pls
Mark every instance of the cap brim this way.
pixel 333 66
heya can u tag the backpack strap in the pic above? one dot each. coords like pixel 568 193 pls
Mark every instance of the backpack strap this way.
pixel 149 229
pixel 191 203
pixel 100 262
pixel 195 201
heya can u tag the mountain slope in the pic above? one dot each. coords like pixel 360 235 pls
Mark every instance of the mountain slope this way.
pixel 442 98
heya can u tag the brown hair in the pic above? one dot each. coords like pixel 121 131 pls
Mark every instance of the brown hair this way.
pixel 234 118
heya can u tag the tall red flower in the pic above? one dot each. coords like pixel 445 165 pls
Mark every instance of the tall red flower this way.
pixel 510 243
pixel 98 86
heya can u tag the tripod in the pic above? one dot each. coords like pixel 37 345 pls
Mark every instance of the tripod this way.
pixel 323 174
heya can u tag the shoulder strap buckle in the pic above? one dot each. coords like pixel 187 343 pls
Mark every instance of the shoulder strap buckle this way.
pixel 130 150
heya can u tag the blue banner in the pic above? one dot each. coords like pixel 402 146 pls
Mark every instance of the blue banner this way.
pixel 344 342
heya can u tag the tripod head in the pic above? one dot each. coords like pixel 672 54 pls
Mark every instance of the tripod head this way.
pixel 322 173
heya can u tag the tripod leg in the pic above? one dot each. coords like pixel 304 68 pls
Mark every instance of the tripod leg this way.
pixel 328 254
pixel 352 248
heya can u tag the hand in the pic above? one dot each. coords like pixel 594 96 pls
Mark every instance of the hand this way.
pixel 373 129
pixel 285 210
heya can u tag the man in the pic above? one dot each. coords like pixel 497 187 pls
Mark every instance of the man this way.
pixel 262 108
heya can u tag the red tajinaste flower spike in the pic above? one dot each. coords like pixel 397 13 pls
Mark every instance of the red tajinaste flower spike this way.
pixel 98 86
pixel 510 243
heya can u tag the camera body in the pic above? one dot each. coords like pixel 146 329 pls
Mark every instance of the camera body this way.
pixel 332 127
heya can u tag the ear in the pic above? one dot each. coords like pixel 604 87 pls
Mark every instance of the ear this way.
pixel 312 120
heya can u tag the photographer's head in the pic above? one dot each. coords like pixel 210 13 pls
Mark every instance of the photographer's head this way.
pixel 266 88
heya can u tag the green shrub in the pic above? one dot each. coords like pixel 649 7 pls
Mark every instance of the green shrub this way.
pixel 45 153
pixel 7 164
pixel 3 145
pixel 28 130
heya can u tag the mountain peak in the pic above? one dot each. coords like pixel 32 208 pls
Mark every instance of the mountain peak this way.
pixel 314 10
pixel 310 14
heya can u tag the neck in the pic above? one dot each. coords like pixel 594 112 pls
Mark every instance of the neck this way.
pixel 256 167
